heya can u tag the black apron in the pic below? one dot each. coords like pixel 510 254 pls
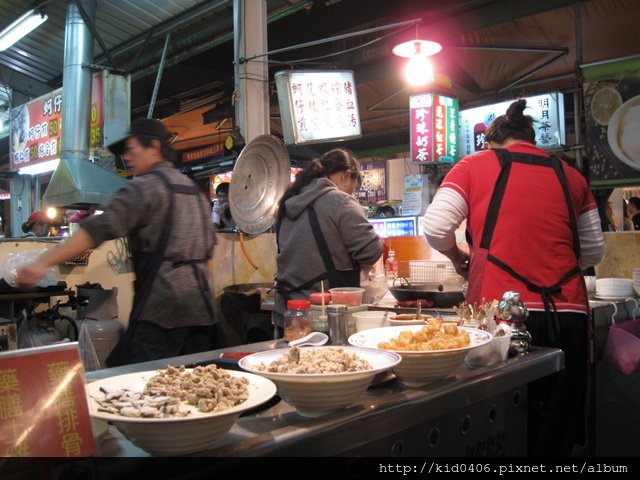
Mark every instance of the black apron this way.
pixel 146 266
pixel 483 255
pixel 336 278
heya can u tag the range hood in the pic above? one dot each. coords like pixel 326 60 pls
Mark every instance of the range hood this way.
pixel 81 185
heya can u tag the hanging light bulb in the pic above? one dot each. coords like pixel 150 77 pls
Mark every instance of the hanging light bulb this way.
pixel 419 71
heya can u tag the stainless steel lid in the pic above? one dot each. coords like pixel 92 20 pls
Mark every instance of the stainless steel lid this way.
pixel 260 177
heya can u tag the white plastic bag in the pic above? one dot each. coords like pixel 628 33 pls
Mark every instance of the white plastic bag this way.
pixel 15 261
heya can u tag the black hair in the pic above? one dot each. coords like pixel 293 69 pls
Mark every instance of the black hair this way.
pixel 222 188
pixel 26 227
pixel 635 201
pixel 334 161
pixel 166 150
pixel 513 124
pixel 386 210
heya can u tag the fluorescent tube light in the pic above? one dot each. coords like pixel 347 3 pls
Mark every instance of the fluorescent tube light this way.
pixel 21 27
pixel 43 167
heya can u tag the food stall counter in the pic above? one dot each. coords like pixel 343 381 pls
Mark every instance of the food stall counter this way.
pixel 476 412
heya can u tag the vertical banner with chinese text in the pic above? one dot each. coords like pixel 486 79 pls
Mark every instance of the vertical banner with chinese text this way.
pixel 434 128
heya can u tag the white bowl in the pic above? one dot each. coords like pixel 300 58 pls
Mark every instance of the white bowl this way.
pixel 496 351
pixel 314 395
pixel 370 319
pixel 176 435
pixel 420 368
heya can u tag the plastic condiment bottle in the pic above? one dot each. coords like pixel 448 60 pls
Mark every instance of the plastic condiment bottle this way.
pixel 391 265
pixel 298 320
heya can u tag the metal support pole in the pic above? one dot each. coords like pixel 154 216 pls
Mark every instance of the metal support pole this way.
pixel 156 87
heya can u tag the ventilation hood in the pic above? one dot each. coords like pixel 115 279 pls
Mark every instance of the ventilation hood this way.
pixel 81 185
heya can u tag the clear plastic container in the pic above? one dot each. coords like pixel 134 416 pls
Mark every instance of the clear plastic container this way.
pixel 298 320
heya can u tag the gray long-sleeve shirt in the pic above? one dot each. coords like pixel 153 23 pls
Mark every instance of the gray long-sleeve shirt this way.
pixel 349 235
pixel 139 211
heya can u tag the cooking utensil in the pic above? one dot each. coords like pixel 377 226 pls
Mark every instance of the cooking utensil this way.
pixel 442 296
pixel 314 339
pixel 260 177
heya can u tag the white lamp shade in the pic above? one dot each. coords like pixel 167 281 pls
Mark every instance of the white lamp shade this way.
pixel 414 48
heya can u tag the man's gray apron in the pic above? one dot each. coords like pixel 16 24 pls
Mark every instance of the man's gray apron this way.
pixel 146 267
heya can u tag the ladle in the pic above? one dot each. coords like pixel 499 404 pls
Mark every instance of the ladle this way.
pixel 314 339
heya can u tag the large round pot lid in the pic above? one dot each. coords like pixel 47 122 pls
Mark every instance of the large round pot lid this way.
pixel 260 177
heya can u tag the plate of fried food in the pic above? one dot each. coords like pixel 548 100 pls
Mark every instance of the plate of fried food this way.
pixel 428 352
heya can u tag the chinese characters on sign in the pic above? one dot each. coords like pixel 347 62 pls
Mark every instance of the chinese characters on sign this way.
pixel 36 127
pixel 43 404
pixel 434 128
pixel 317 106
pixel 547 112
pixel 394 227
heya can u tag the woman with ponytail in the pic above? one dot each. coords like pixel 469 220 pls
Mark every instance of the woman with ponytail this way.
pixel 322 232
pixel 532 227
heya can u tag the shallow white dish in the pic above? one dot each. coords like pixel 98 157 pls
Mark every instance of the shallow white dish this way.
pixel 420 368
pixel 613 299
pixel 614 131
pixel 176 435
pixel 314 395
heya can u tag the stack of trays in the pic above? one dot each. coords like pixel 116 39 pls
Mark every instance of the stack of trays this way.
pixel 615 288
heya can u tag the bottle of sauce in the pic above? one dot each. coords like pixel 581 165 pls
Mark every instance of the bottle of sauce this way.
pixel 391 266
pixel 298 320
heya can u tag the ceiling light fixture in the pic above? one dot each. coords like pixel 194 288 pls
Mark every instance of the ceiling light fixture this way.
pixel 21 27
pixel 419 70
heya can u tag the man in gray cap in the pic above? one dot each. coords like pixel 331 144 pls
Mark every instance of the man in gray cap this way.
pixel 165 216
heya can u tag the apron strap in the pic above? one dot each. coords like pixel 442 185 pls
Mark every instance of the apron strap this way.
pixel 496 198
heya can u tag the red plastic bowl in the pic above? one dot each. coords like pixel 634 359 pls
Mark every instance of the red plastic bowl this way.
pixel 316 298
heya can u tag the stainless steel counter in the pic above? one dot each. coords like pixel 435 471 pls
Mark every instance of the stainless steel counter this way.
pixel 476 412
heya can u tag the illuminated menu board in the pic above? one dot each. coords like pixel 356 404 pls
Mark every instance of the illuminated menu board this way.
pixel 316 106
pixel 434 128
pixel 395 226
pixel 546 110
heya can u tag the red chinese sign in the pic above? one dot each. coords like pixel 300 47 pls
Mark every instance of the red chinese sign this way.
pixel 36 127
pixel 43 404
pixel 434 128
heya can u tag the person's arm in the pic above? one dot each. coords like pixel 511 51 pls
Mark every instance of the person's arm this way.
pixel 440 222
pixel 591 239
pixel 75 245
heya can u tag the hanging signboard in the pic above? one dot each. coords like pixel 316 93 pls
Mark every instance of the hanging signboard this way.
pixel 317 106
pixel 44 403
pixel 547 111
pixel 36 127
pixel 434 128
pixel 612 123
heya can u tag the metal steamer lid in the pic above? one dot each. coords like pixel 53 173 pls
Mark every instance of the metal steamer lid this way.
pixel 260 177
